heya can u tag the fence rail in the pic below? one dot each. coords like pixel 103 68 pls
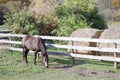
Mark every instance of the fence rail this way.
pixel 66 38
pixel 114 50
pixel 69 46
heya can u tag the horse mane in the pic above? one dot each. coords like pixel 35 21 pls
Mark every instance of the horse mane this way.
pixel 43 44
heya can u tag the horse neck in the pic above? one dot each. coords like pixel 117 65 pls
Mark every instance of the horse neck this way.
pixel 43 51
pixel 43 47
pixel 44 54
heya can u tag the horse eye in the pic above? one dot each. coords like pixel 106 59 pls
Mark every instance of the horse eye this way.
pixel 46 59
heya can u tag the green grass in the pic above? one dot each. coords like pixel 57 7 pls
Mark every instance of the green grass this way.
pixel 12 68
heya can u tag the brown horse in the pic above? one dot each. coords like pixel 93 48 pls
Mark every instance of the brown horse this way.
pixel 35 44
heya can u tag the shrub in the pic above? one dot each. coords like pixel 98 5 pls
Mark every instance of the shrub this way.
pixel 22 22
pixel 74 14
pixel 27 22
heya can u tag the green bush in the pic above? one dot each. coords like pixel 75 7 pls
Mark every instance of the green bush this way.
pixel 74 14
pixel 22 22
pixel 28 22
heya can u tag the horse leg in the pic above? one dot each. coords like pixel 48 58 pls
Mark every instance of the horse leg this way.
pixel 35 57
pixel 25 53
pixel 42 59
pixel 38 56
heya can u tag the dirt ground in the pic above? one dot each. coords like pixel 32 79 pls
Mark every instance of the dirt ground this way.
pixel 90 73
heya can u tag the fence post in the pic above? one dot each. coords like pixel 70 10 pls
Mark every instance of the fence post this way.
pixel 10 39
pixel 72 58
pixel 115 55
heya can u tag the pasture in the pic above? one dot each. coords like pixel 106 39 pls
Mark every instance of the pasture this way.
pixel 12 68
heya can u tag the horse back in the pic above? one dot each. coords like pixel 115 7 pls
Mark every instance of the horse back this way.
pixel 30 42
pixel 33 43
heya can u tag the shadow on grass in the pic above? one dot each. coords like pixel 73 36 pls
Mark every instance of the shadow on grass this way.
pixel 94 62
pixel 66 62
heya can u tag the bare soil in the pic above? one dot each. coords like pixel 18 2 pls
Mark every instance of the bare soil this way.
pixel 90 72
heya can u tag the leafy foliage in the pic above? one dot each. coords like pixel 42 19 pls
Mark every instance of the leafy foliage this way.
pixel 69 16
pixel 22 22
pixel 27 22
pixel 74 14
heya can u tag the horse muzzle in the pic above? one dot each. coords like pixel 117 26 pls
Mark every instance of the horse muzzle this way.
pixel 46 64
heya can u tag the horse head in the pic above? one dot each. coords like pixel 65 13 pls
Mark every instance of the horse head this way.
pixel 45 61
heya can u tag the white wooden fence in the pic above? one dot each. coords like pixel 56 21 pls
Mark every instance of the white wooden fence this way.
pixel 116 51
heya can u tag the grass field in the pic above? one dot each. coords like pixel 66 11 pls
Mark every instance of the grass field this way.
pixel 12 68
